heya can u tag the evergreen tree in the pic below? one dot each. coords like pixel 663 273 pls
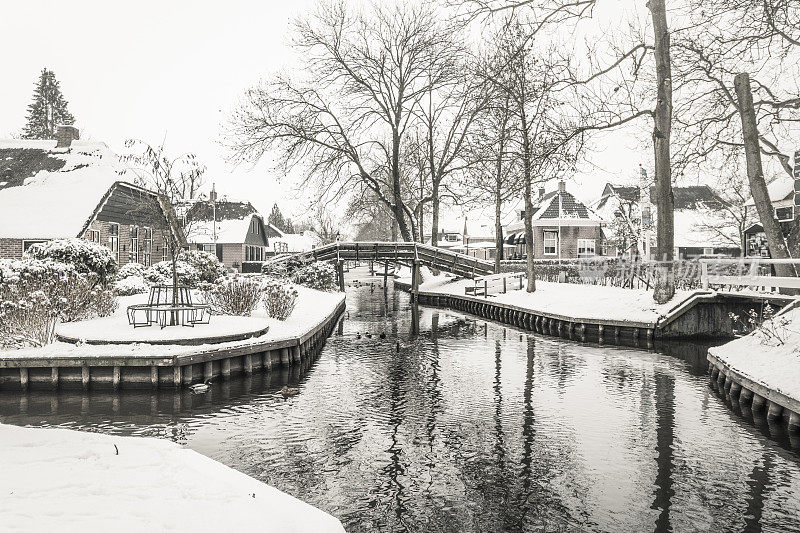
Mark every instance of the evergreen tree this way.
pixel 48 109
pixel 276 218
pixel 289 228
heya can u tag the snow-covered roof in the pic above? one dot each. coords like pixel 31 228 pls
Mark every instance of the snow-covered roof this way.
pixel 703 228
pixel 228 231
pixel 781 190
pixel 51 192
pixel 298 242
pixel 558 208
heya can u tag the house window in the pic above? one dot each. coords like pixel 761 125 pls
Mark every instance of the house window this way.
pixel 784 214
pixel 550 242
pixel 147 247
pixel 586 247
pixel 207 248
pixel 93 235
pixel 133 253
pixel 113 239
pixel 164 249
pixel 254 226
pixel 28 244
pixel 451 237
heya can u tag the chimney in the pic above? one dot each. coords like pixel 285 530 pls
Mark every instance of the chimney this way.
pixel 562 187
pixel 65 135
pixel 541 193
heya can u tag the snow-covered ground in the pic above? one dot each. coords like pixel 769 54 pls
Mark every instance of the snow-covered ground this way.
pixel 63 480
pixel 311 308
pixel 766 360
pixel 588 302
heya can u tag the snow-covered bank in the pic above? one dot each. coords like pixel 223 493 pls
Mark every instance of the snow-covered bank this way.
pixel 764 359
pixel 587 302
pixel 312 307
pixel 63 480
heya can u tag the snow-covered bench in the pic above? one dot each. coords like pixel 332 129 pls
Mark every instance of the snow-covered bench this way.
pixel 496 283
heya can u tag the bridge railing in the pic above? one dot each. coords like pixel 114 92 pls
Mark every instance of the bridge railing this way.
pixel 747 272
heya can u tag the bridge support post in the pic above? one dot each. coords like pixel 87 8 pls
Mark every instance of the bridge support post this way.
pixel 340 274
pixel 415 280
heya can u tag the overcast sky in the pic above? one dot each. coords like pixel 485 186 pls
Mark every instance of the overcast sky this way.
pixel 149 69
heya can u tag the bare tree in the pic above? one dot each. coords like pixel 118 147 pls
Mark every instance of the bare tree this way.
pixel 365 72
pixel 755 174
pixel 494 173
pixel 542 140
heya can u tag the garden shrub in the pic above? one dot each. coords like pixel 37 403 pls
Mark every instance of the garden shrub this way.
pixel 281 269
pixel 279 298
pixel 35 295
pixel 207 265
pixel 161 274
pixel 130 285
pixel 235 295
pixel 86 257
pixel 319 276
pixel 129 270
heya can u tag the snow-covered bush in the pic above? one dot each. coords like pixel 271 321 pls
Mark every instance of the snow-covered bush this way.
pixel 280 269
pixel 85 256
pixel 279 298
pixel 320 276
pixel 35 295
pixel 161 273
pixel 234 295
pixel 130 285
pixel 129 270
pixel 208 266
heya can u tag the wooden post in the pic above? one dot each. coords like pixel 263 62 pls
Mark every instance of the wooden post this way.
pixel 226 368
pixel 385 276
pixel 154 377
pixel 115 377
pixel 414 280
pixel 504 285
pixel 177 375
pixel 208 370
pixel 267 361
pixel 23 378
pixel 284 357
pixel 247 363
pixel 54 376
pixel 340 274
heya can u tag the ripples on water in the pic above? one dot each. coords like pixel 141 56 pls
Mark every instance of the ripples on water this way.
pixel 474 427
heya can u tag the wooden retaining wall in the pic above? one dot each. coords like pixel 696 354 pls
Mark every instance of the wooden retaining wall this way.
pixel 115 372
pixel 585 330
pixel 758 398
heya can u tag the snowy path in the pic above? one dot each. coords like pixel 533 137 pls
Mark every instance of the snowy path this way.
pixel 63 480
pixel 587 302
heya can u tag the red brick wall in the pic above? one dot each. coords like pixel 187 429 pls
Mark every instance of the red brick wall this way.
pixel 569 240
pixel 10 248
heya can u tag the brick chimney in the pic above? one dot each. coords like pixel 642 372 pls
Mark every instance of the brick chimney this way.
pixel 65 135
pixel 562 186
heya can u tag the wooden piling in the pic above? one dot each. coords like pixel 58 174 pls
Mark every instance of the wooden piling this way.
pixel 154 377
pixel 758 403
pixel 226 368
pixel 115 375
pixel 208 370
pixel 23 378
pixel 54 377
pixel 774 411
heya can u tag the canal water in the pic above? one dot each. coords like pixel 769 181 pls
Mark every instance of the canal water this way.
pixel 450 423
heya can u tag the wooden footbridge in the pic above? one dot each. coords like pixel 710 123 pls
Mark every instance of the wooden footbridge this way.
pixel 407 253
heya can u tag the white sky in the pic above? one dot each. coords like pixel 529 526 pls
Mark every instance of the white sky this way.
pixel 149 69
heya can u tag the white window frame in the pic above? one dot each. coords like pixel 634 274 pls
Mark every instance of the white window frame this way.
pixel 93 235
pixel 550 235
pixel 133 253
pixel 791 208
pixel 113 239
pixel 450 237
pixel 164 248
pixel 586 244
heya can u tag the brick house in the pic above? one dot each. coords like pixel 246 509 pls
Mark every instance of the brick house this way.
pixel 55 189
pixel 232 230
pixel 563 228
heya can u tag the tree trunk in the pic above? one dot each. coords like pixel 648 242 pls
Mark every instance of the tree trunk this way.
pixel 662 129
pixel 435 215
pixel 755 175
pixel 498 233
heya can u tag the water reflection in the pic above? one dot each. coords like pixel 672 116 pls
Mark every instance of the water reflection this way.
pixel 453 424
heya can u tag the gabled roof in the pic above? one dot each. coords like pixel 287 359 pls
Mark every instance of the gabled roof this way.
pixel 558 207
pixel 232 221
pixel 50 192
pixel 691 197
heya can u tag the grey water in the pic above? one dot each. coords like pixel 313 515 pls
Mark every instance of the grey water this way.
pixel 451 423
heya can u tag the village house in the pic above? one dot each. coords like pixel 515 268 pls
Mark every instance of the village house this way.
pixel 55 189
pixel 232 230
pixel 698 221
pixel 563 228
pixel 784 193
